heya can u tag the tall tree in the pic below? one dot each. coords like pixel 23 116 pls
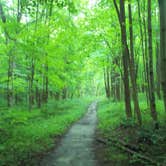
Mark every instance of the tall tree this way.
pixel 151 74
pixel 162 6
pixel 132 68
pixel 158 79
pixel 143 39
pixel 125 55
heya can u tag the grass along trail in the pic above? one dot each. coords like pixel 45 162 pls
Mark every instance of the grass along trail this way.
pixel 76 147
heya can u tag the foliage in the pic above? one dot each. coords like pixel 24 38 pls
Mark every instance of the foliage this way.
pixel 25 135
pixel 113 124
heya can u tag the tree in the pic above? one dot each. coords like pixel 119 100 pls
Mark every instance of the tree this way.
pixel 125 56
pixel 132 69
pixel 162 6
pixel 151 74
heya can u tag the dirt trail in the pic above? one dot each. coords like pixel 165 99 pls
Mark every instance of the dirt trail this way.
pixel 76 147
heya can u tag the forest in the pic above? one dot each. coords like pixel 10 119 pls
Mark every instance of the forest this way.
pixel 82 82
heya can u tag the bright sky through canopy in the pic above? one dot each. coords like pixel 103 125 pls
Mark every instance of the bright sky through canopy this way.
pixel 92 3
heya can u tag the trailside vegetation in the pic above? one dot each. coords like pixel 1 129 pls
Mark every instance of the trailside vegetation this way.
pixel 58 55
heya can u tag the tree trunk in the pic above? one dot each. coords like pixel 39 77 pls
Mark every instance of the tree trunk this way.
pixel 132 70
pixel 117 87
pixel 107 82
pixel 162 5
pixel 125 56
pixel 46 88
pixel 151 74
pixel 144 53
pixel 31 79
pixel 9 81
pixel 158 80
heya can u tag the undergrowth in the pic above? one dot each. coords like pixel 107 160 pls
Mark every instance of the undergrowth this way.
pixel 113 124
pixel 24 134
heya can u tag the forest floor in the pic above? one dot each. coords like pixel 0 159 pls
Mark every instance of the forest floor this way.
pixel 123 143
pixel 30 138
pixel 76 147
pixel 25 137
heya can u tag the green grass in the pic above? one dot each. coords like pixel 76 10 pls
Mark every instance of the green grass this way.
pixel 24 135
pixel 113 124
pixel 111 114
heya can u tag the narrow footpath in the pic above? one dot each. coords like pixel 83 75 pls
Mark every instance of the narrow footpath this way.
pixel 76 147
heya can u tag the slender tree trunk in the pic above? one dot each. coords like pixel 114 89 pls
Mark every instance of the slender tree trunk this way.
pixel 112 84
pixel 117 87
pixel 125 60
pixel 132 70
pixel 43 87
pixel 31 79
pixel 38 95
pixel 158 80
pixel 115 80
pixel 46 80
pixel 151 74
pixel 107 82
pixel 125 56
pixel 145 85
pixel 46 86
pixel 9 82
pixel 162 5
pixel 146 52
pixel 64 93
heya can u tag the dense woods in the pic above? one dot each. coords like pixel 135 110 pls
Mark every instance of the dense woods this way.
pixel 59 55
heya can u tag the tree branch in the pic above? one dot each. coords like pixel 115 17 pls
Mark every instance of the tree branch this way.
pixel 118 11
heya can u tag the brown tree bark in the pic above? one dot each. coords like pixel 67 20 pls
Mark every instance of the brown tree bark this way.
pixel 107 82
pixel 132 69
pixel 38 95
pixel 151 74
pixel 158 80
pixel 125 56
pixel 144 52
pixel 45 76
pixel 31 80
pixel 115 79
pixel 162 5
